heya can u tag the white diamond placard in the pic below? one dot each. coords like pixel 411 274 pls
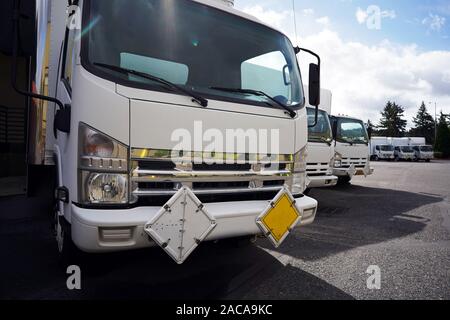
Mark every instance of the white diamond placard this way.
pixel 181 225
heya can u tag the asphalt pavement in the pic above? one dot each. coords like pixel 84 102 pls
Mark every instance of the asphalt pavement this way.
pixel 398 220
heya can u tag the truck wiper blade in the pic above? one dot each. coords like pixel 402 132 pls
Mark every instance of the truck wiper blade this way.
pixel 288 110
pixel 195 98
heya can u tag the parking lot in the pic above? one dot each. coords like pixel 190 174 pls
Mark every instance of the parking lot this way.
pixel 397 219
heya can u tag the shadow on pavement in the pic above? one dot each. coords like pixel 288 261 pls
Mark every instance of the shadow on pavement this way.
pixel 29 268
pixel 353 216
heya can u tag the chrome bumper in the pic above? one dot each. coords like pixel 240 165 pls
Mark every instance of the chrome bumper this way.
pixel 118 230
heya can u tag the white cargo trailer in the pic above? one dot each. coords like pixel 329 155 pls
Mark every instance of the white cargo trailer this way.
pixel 114 87
pixel 381 148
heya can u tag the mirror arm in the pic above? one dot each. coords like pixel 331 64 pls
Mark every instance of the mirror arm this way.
pixel 16 26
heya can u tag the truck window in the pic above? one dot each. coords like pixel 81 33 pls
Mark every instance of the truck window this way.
pixel 192 44
pixel 69 58
pixel 265 73
pixel 353 131
pixel 322 131
pixel 377 148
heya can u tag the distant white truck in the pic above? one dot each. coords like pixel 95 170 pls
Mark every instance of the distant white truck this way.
pixel 352 155
pixel 381 148
pixel 402 149
pixel 320 145
pixel 419 146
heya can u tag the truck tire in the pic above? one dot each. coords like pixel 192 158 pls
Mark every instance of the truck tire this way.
pixel 68 253
pixel 344 180
pixel 376 158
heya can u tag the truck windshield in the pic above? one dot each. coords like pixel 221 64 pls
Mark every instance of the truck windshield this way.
pixel 387 148
pixel 426 149
pixel 322 131
pixel 351 131
pixel 192 45
pixel 407 149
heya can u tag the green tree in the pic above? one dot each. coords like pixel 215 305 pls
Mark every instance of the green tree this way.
pixel 424 124
pixel 392 123
pixel 443 136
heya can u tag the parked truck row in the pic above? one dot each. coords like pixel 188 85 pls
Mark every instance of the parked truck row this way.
pixel 407 149
pixel 113 82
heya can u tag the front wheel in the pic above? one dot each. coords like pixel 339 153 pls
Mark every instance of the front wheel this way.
pixel 344 180
pixel 376 158
pixel 68 253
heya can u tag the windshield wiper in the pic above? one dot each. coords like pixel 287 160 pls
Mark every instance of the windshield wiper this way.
pixel 322 139
pixel 288 110
pixel 195 98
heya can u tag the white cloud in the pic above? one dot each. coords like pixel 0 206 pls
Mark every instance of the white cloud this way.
pixel 275 18
pixel 308 12
pixel 323 21
pixel 388 14
pixel 361 15
pixel 434 22
pixel 363 78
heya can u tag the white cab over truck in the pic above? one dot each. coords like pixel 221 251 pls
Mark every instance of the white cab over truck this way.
pixel 149 110
pixel 320 154
pixel 352 148
pixel 381 149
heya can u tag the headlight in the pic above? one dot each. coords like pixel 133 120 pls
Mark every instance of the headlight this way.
pixel 337 163
pixel 299 178
pixel 103 168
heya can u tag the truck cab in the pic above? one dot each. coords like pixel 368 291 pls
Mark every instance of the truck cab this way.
pixel 383 152
pixel 424 153
pixel 352 148
pixel 184 108
pixel 320 145
pixel 404 153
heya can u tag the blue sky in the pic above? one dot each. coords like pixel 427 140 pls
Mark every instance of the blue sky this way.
pixel 406 58
pixel 413 21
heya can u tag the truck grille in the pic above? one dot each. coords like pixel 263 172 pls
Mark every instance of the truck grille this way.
pixel 161 177
pixel 317 169
pixel 357 162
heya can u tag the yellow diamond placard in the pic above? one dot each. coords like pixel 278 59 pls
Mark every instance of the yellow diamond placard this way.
pixel 279 218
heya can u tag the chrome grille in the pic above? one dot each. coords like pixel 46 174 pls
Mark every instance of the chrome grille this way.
pixel 162 177
pixel 357 162
pixel 317 169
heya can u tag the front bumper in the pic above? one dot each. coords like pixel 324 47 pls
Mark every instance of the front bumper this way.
pixel 117 230
pixel 352 171
pixel 322 181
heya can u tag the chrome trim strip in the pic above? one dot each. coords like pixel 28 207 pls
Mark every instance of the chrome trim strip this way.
pixel 158 192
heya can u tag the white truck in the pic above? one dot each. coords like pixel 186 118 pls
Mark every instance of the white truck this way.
pixel 381 148
pixel 352 148
pixel 148 111
pixel 320 154
pixel 422 151
pixel 407 148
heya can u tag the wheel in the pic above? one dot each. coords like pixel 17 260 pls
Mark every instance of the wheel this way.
pixel 396 159
pixel 376 158
pixel 344 180
pixel 68 253
pixel 240 242
pixel 428 160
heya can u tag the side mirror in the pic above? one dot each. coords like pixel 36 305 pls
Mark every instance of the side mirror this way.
pixel 314 85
